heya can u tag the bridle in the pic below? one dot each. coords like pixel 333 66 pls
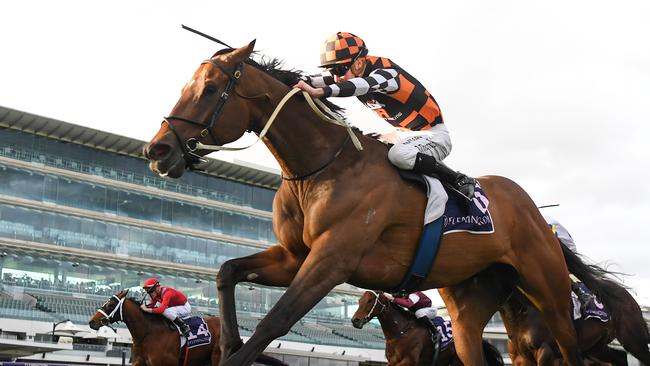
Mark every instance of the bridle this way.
pixel 190 146
pixel 369 316
pixel 109 318
pixel 194 144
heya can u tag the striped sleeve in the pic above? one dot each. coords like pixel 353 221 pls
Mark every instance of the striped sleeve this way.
pixel 319 80
pixel 381 80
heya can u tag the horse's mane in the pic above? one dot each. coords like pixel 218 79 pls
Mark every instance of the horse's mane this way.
pixel 149 316
pixel 272 66
pixel 404 312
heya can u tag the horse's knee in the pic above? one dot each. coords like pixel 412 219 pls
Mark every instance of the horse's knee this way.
pixel 226 275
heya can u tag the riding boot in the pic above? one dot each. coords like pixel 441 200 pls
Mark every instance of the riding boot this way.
pixel 585 298
pixel 429 323
pixel 185 329
pixel 428 165
pixel 435 335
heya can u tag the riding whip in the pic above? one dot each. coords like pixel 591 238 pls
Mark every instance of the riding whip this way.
pixel 204 35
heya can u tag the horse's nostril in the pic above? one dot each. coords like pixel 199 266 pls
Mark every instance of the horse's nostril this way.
pixel 158 151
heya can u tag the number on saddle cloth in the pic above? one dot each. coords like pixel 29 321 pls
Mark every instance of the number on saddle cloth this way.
pixel 444 328
pixel 199 332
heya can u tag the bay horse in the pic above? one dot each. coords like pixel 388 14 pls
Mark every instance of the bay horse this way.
pixel 154 342
pixel 408 341
pixel 343 215
pixel 531 341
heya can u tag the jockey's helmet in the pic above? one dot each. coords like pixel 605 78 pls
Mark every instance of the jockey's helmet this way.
pixel 150 284
pixel 342 48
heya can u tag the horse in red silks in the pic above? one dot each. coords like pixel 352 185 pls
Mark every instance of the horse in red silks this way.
pixel 344 215
pixel 155 343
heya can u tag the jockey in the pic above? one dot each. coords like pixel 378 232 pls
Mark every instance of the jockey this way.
pixel 562 234
pixel 420 305
pixel 420 138
pixel 173 303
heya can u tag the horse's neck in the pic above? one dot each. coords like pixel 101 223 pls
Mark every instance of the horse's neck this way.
pixel 134 319
pixel 300 141
pixel 393 322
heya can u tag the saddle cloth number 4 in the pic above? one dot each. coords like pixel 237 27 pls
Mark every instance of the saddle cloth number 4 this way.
pixel 201 330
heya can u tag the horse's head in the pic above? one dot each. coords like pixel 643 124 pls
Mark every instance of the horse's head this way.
pixel 211 110
pixel 371 304
pixel 110 312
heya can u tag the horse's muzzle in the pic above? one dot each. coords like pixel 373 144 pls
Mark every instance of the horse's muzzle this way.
pixel 358 322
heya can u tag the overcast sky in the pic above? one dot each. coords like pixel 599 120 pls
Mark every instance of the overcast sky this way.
pixel 552 94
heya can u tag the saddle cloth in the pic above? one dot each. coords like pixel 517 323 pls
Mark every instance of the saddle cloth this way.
pixel 444 328
pixel 595 309
pixel 199 332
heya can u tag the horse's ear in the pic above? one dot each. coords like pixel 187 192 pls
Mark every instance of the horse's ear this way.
pixel 243 53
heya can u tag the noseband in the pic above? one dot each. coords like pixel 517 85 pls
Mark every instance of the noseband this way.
pixel 190 146
pixel 109 317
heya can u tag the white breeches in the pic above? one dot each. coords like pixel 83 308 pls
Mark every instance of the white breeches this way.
pixel 181 311
pixel 433 142
pixel 428 312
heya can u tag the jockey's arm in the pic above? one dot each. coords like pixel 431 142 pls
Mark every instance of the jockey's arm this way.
pixel 408 301
pixel 164 304
pixel 382 81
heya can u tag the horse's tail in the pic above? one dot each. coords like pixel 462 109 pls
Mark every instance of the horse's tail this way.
pixel 597 279
pixel 630 327
pixel 268 360
pixel 492 354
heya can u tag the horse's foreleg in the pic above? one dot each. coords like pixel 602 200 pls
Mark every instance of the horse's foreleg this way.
pixel 319 274
pixel 550 292
pixel 273 267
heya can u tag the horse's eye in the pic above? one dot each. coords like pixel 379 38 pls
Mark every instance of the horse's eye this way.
pixel 209 89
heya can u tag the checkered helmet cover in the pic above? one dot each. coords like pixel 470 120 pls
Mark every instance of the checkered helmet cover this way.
pixel 341 48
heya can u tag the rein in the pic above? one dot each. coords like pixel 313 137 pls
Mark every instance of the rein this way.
pixel 315 104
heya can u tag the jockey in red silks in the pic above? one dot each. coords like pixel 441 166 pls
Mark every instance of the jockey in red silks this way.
pixel 420 305
pixel 173 303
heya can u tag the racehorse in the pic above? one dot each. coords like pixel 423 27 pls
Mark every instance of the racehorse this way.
pixel 408 341
pixel 343 215
pixel 531 341
pixel 154 342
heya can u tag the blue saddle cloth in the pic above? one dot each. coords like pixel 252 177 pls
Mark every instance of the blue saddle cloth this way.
pixel 444 328
pixel 199 332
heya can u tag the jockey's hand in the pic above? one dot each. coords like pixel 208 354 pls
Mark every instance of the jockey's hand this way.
pixel 314 92
pixel 389 296
pixel 145 308
pixel 390 137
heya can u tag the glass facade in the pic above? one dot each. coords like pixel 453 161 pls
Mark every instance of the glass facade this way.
pixel 60 154
pixel 30 185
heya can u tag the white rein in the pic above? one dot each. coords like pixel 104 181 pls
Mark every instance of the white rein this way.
pixel 332 118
